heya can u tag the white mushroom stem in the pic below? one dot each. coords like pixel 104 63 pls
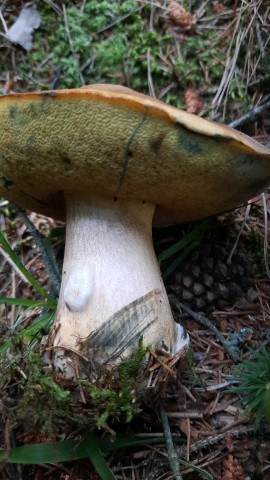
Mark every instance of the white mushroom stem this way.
pixel 112 291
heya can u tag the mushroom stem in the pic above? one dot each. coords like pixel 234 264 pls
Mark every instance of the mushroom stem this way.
pixel 112 291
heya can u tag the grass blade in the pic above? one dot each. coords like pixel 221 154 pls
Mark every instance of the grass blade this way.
pixel 41 327
pixel 22 268
pixel 67 450
pixel 21 302
pixel 187 244
pixel 94 454
pixel 179 259
pixel 199 470
pixel 196 234
pixel 41 453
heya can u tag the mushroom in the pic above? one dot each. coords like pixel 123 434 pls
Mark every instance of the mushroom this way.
pixel 108 160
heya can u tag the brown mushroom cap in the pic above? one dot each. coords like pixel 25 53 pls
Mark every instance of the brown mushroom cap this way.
pixel 114 141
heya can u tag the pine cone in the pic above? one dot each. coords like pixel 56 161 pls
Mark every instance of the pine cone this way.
pixel 180 16
pixel 205 281
pixel 232 469
pixel 192 100
pixel 218 8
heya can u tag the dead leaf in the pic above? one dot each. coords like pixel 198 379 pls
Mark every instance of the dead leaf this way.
pixel 21 31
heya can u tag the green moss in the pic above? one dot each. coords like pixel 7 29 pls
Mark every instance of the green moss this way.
pixel 112 41
pixel 37 399
pixel 120 397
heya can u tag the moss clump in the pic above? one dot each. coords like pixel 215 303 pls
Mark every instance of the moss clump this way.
pixel 116 394
pixel 34 396
pixel 28 391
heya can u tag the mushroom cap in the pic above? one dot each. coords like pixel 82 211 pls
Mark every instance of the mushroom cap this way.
pixel 114 141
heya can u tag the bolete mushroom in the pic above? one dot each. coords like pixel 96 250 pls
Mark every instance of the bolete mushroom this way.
pixel 108 160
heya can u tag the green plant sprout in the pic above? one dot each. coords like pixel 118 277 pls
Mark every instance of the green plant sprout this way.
pixel 123 400
pixel 36 330
pixel 254 383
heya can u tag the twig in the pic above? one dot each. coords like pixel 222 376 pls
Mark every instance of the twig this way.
pixel 214 439
pixel 188 439
pixel 77 375
pixel 247 212
pixel 3 22
pixel 149 75
pixel 251 115
pixel 151 21
pixel 198 446
pixel 160 363
pixel 184 414
pixel 68 349
pixel 13 264
pixel 172 455
pixel 54 7
pixel 56 77
pixel 119 20
pixel 198 317
pixel 50 266
pixel 265 243
pixel 229 66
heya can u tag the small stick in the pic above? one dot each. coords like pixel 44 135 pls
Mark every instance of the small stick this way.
pixel 68 349
pixel 198 317
pixel 13 264
pixel 184 414
pixel 216 439
pixel 154 367
pixel 251 115
pixel 119 20
pixel 188 439
pixel 77 374
pixel 152 92
pixel 172 454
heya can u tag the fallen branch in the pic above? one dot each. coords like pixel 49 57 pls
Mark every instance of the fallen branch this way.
pixel 252 114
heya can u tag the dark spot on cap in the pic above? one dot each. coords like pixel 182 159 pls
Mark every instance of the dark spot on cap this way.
pixel 5 159
pixel 30 142
pixel 65 159
pixel 190 141
pixel 192 147
pixel 222 138
pixel 108 155
pixel 13 112
pixel 47 94
pixel 33 110
pixel 249 159
pixel 7 184
pixel 129 153
pixel 156 144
